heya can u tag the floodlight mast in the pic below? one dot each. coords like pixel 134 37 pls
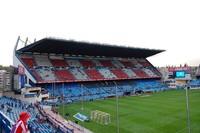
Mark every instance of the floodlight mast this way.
pixel 117 112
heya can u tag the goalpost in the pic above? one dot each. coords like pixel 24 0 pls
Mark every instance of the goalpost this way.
pixel 100 117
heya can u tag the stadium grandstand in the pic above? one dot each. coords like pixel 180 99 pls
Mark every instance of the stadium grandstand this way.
pixel 196 82
pixel 55 71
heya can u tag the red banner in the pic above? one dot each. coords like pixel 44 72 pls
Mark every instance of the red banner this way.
pixel 174 69
pixel 20 70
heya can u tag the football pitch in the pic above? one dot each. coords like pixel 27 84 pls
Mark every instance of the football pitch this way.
pixel 161 112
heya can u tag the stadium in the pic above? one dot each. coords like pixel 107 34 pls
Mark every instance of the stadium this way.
pixel 73 87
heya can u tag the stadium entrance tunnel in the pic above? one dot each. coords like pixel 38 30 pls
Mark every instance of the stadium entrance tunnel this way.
pixel 128 93
pixel 139 92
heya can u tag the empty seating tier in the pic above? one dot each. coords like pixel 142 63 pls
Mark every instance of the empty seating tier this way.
pixel 58 68
pixel 64 75
pixel 107 74
pixel 87 63
pixel 130 73
pixel 29 62
pixel 94 74
pixel 43 61
pixel 74 63
pixel 107 63
pixel 145 63
pixel 117 64
pixel 141 73
pixel 37 76
pixel 46 74
pixel 149 72
pixel 120 74
pixel 79 74
pixel 58 63
pixel 127 64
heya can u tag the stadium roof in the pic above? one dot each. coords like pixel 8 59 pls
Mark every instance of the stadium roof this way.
pixel 70 47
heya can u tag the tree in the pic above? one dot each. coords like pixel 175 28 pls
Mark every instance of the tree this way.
pixel 7 68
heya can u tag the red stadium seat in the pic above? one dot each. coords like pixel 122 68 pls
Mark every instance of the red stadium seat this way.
pixel 29 62
pixel 87 63
pixel 141 73
pixel 58 63
pixel 94 74
pixel 106 63
pixel 120 74
pixel 64 75
pixel 127 64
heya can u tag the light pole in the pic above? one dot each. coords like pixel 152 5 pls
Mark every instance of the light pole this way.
pixel 187 108
pixel 117 112
pixel 63 98
pixel 82 106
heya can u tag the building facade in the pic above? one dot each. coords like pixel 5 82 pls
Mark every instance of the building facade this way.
pixel 4 80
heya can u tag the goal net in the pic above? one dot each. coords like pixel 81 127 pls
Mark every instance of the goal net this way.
pixel 100 117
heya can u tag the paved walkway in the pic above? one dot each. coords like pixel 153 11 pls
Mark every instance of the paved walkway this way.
pixel 71 125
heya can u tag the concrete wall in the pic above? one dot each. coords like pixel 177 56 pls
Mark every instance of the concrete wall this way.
pixel 1 94
pixel 21 97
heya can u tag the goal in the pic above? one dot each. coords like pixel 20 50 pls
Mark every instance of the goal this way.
pixel 100 117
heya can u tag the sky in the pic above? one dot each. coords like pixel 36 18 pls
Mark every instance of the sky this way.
pixel 171 25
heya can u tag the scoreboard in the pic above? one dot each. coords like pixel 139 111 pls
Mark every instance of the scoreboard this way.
pixel 182 73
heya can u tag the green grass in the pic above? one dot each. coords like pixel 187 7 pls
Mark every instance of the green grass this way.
pixel 163 112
